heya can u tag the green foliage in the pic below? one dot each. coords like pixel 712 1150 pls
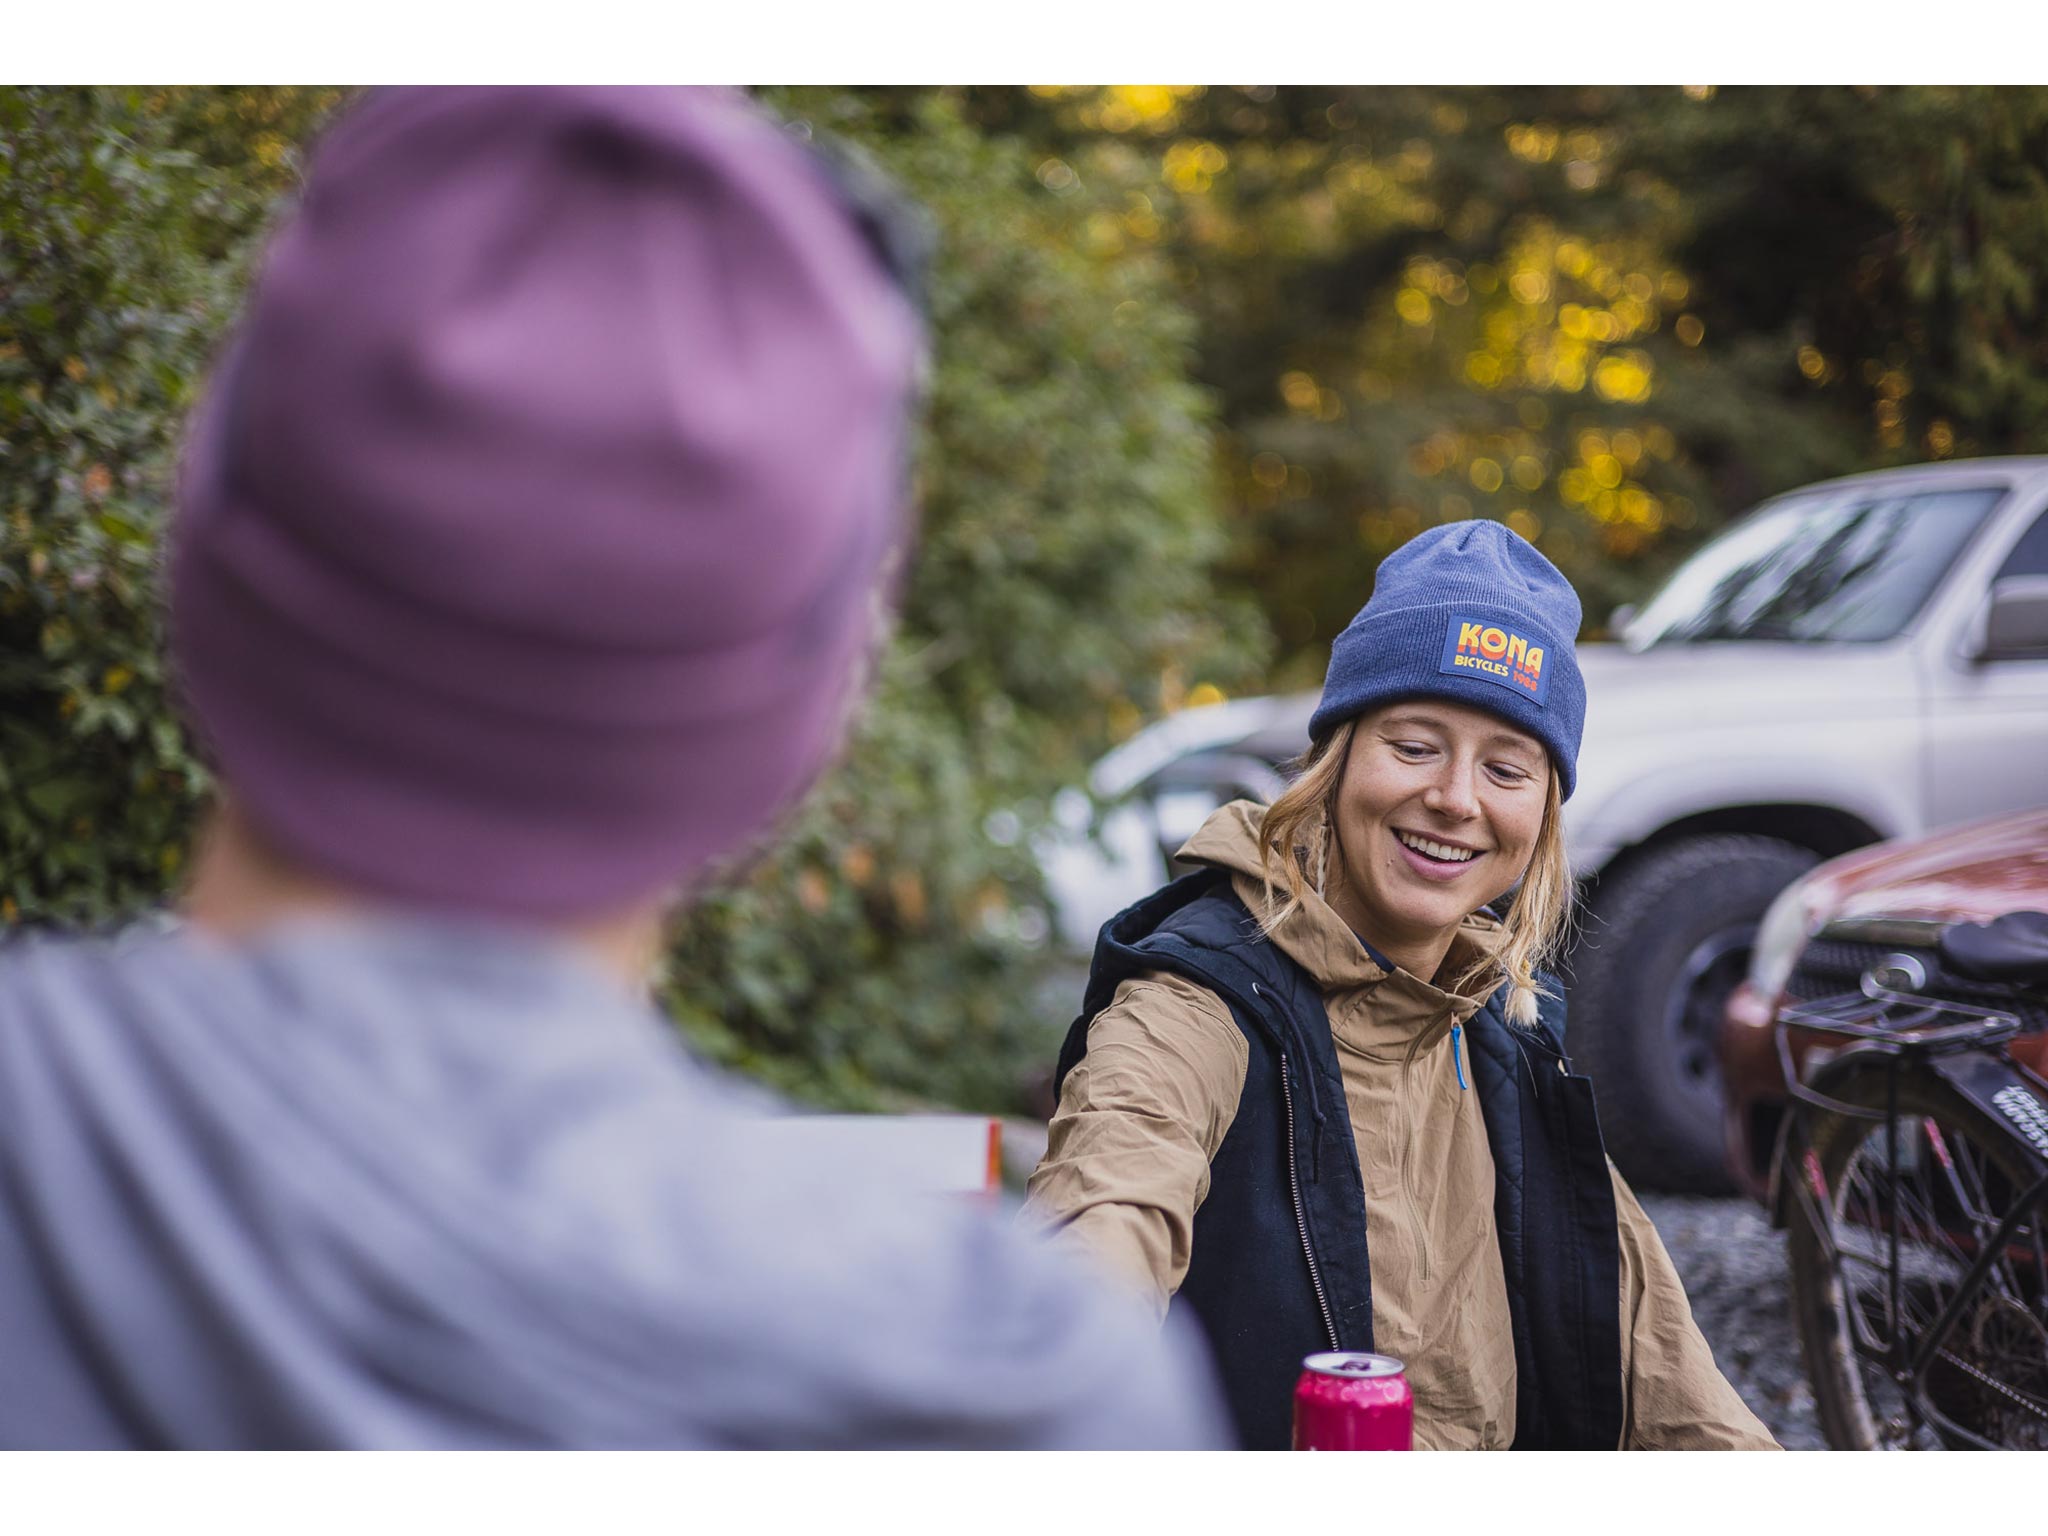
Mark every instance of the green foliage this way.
pixel 125 220
pixel 1244 337
pixel 1067 529
pixel 1612 317
pixel 107 309
pixel 893 946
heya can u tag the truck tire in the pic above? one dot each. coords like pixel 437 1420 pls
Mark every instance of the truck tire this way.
pixel 1664 940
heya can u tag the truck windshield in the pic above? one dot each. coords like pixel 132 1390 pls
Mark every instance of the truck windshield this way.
pixel 1840 565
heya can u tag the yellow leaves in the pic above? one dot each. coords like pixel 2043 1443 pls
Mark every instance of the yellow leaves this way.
pixel 1526 523
pixel 1941 439
pixel 1812 363
pixel 1624 377
pixel 1534 142
pixel 1689 331
pixel 116 680
pixel 1527 472
pixel 1300 392
pixel 75 369
pixel 1634 505
pixel 1443 280
pixel 1192 165
pixel 1485 475
pixel 1483 369
pixel 1269 470
pixel 1124 108
pixel 1205 693
pixel 1529 285
pixel 1413 306
pixel 1149 103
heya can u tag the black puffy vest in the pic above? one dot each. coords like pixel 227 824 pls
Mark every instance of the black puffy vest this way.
pixel 1280 1267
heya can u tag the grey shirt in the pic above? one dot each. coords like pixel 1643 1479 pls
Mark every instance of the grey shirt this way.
pixel 428 1185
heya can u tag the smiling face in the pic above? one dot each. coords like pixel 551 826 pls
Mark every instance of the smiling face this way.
pixel 1436 814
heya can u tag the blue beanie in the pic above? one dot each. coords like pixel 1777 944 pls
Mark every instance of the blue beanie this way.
pixel 1469 612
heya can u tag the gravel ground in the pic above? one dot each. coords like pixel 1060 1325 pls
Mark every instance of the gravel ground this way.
pixel 1735 1273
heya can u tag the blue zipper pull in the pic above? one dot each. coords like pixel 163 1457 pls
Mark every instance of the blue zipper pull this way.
pixel 1455 1060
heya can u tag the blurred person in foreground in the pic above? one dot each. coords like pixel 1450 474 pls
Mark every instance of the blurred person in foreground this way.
pixel 527 554
pixel 1318 1090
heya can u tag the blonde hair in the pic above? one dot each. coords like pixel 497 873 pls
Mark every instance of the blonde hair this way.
pixel 1294 842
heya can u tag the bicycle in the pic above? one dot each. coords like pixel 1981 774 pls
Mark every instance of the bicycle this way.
pixel 1913 1166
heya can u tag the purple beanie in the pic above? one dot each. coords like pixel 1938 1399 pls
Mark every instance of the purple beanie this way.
pixel 528 543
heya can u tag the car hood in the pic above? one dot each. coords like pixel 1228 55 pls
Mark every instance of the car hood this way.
pixel 1970 873
pixel 1709 687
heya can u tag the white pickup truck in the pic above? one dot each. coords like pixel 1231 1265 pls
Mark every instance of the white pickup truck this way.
pixel 1856 660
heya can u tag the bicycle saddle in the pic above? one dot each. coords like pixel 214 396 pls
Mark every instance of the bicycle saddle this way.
pixel 2012 947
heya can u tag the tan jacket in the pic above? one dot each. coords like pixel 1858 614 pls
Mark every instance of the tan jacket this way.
pixel 1143 1113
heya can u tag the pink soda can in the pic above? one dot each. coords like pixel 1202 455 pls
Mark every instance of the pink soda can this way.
pixel 1353 1402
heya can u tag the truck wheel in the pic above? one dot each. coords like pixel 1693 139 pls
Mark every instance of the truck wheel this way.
pixel 1665 939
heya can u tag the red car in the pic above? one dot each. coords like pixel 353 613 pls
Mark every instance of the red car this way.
pixel 1876 913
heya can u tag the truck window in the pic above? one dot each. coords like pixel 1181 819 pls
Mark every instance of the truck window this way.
pixel 2029 557
pixel 1841 565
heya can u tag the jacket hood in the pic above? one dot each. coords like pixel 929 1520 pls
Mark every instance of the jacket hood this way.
pixel 1322 943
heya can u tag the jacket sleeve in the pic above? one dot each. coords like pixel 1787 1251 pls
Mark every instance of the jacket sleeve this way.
pixel 1674 1396
pixel 1140 1116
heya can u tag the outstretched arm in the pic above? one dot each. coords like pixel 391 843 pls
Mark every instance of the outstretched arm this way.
pixel 1140 1117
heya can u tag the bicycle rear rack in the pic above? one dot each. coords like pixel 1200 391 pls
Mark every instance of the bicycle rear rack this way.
pixel 1895 1027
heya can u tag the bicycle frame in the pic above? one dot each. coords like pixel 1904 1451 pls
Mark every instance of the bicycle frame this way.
pixel 1900 1034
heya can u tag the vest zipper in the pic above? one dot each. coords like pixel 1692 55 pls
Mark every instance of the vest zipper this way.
pixel 1315 1277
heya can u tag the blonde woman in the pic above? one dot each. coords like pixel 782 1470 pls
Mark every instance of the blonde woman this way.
pixel 1318 1092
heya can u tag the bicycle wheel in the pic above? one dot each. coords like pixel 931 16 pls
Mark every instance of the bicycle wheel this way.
pixel 1959 1172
